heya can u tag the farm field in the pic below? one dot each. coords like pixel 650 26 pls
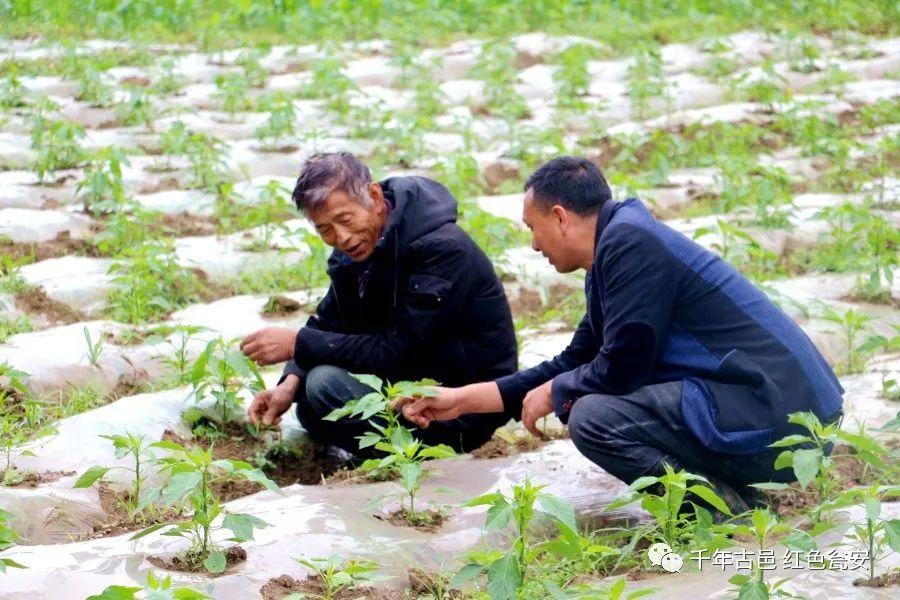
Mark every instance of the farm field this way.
pixel 147 156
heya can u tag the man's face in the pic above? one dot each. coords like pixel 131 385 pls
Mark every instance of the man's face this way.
pixel 548 233
pixel 346 224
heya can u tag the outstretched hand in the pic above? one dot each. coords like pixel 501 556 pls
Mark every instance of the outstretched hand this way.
pixel 422 411
pixel 269 345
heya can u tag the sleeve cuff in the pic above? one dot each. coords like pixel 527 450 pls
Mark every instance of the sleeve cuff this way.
pixel 512 392
pixel 562 401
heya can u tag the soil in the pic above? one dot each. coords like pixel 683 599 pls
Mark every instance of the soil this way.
pixel 498 447
pixel 849 472
pixel 431 585
pixel 32 479
pixel 314 587
pixel 358 476
pixel 280 306
pixel 309 465
pixel 886 580
pixel 527 303
pixel 428 520
pixel 35 300
pixel 178 562
pixel 61 245
pixel 185 224
pixel 211 290
pixel 118 520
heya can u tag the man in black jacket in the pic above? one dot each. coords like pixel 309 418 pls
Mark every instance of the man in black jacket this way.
pixel 411 296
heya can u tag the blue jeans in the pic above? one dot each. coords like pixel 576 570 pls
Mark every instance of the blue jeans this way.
pixel 633 435
pixel 327 388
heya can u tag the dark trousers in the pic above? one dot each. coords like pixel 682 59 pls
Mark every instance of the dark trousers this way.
pixel 634 435
pixel 327 388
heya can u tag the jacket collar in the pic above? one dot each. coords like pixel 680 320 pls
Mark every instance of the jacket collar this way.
pixel 603 218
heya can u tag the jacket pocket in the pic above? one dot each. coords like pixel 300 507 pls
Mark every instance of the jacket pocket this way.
pixel 746 397
pixel 428 291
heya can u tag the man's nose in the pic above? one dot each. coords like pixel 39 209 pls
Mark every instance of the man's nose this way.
pixel 342 236
pixel 534 245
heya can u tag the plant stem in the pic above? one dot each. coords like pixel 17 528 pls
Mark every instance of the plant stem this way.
pixel 871 530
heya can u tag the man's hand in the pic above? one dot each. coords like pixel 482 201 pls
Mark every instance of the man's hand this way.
pixel 270 345
pixel 268 405
pixel 421 412
pixel 538 403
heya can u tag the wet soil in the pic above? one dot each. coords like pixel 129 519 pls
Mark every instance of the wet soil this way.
pixel 61 245
pixel 34 300
pixel 280 306
pixel 886 580
pixel 185 224
pixel 179 562
pixel 314 587
pixel 307 464
pixel 849 472
pixel 118 520
pixel 499 447
pixel 428 520
pixel 32 479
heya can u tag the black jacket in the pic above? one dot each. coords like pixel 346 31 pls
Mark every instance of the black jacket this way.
pixel 429 305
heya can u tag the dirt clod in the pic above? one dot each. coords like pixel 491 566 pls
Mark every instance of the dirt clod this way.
pixel 313 587
pixel 886 580
pixel 427 520
pixel 181 562
pixel 35 300
pixel 281 306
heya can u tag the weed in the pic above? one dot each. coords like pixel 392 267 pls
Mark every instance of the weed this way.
pixel 851 325
pixel 94 349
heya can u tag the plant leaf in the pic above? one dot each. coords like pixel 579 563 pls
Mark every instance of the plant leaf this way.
pixel 89 477
pixel 806 465
pixel 215 562
pixel 504 578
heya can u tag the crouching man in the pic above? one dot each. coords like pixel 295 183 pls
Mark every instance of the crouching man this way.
pixel 411 296
pixel 679 360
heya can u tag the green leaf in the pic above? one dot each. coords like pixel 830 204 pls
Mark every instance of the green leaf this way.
pixel 257 476
pixel 189 594
pixel 806 465
pixel 466 574
pixel 873 508
pixel 711 497
pixel 498 515
pixel 791 440
pixel 800 541
pixel 89 477
pixel 8 562
pixel 148 531
pixel 117 592
pixel 439 451
pixel 559 509
pixel 770 485
pixel 504 578
pixel 242 525
pixel 753 590
pixel 485 499
pixel 215 562
pixel 784 460
pixel 892 534
pixel 179 485
pixel 370 380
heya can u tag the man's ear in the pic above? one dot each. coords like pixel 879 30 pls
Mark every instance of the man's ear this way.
pixel 560 217
pixel 376 192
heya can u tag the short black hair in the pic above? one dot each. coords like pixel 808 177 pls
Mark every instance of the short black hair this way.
pixel 573 182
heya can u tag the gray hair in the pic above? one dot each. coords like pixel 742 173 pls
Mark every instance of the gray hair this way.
pixel 324 174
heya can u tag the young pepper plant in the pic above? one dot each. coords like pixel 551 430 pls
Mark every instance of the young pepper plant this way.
pixel 191 472
pixel 154 589
pixel 507 569
pixel 222 370
pixel 142 456
pixel 403 452
pixel 8 538
pixel 337 575
pixel 876 533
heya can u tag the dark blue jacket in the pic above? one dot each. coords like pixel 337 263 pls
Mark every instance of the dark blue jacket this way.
pixel 663 308
pixel 428 302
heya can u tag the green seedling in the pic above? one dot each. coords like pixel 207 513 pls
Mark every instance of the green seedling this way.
pixel 645 80
pixel 93 90
pixel 743 251
pixel 138 109
pixel 877 533
pixel 666 498
pixel 814 463
pixel 280 128
pixel 207 155
pixel 403 453
pixel 233 94
pixel 509 570
pixel 57 144
pixel 765 530
pixel 223 371
pixel 190 472
pixel 140 452
pixel 572 78
pixel 8 538
pixel 154 589
pixel 254 73
pixel 337 575
pixel 853 324
pixel 178 360
pixel 12 437
pixel 94 349
pixel 14 326
pixel 102 190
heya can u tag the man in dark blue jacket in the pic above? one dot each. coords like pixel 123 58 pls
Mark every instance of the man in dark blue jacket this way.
pixel 411 296
pixel 679 359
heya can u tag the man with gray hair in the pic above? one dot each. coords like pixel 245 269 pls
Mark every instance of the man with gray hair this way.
pixel 411 296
